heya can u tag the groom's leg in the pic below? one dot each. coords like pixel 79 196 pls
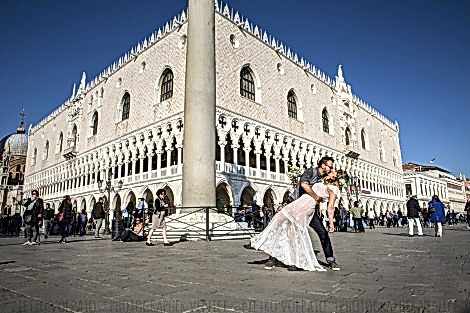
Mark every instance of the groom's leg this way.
pixel 317 225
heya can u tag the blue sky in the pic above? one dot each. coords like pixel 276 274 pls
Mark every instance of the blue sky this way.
pixel 408 59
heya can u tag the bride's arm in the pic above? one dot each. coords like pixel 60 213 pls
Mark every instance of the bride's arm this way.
pixel 331 209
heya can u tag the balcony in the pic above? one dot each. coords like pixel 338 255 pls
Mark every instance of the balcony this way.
pixel 352 150
pixel 70 152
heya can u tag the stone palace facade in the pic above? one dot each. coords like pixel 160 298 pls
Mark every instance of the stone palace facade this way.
pixel 274 110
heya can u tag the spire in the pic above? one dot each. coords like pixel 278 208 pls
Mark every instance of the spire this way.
pixel 74 91
pixel 340 76
pixel 20 129
pixel 82 86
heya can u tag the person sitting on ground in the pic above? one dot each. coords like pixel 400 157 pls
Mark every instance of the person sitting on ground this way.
pixel 134 234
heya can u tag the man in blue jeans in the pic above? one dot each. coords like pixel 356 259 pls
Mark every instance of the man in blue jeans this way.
pixel 310 177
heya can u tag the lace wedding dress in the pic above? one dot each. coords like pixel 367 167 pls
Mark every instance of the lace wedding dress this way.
pixel 286 238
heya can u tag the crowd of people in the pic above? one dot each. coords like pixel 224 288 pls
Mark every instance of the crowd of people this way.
pixel 285 231
pixel 127 225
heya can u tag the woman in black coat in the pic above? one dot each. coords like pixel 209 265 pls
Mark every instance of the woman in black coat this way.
pixel 64 218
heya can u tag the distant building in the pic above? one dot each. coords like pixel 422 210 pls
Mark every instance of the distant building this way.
pixel 13 151
pixel 467 188
pixel 424 181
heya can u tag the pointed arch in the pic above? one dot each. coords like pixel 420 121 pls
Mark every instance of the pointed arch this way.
pixel 46 150
pixel 94 123
pixel 166 85
pixel 347 136
pixel 292 104
pixel 74 135
pixel 325 121
pixel 247 83
pixel 126 106
pixel 363 139
pixel 60 142
pixel 247 196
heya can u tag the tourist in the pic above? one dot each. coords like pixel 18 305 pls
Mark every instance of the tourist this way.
pixel 356 211
pixel 371 218
pixel 134 234
pixel 437 214
pixel 287 238
pixel 64 218
pixel 98 214
pixel 32 218
pixel 82 222
pixel 413 209
pixel 158 218
pixel 127 215
pixel 467 209
pixel 48 218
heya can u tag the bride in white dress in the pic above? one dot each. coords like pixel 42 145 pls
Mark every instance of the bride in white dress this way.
pixel 286 238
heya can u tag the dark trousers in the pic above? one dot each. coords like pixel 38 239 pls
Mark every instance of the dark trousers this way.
pixel 29 232
pixel 358 226
pixel 64 230
pixel 371 223
pixel 37 236
pixel 318 227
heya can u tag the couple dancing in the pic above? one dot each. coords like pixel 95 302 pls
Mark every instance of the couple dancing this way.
pixel 287 237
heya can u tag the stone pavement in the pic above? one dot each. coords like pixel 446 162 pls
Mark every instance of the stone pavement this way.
pixel 382 271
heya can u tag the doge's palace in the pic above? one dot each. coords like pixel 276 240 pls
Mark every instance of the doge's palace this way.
pixel 274 110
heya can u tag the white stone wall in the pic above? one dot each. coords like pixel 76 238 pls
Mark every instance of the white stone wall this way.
pixel 152 124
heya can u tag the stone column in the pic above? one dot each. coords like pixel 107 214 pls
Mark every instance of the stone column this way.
pixel 247 160
pixel 222 156
pixel 268 162
pixel 258 162
pixel 199 106
pixel 141 160
pixel 168 160
pixel 180 159
pixel 159 162
pixel 235 155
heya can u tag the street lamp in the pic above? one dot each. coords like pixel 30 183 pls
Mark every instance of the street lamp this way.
pixel 108 188
pixel 355 183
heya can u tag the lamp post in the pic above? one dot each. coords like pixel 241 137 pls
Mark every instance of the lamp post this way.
pixel 355 183
pixel 108 188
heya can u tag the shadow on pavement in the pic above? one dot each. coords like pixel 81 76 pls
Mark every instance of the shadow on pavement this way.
pixel 406 235
pixel 55 242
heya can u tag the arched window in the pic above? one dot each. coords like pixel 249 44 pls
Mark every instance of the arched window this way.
pixel 126 106
pixel 292 104
pixel 94 121
pixel 363 139
pixel 325 121
pixel 247 83
pixel 35 155
pixel 167 85
pixel 381 152
pixel 61 141
pixel 347 136
pixel 46 150
pixel 74 136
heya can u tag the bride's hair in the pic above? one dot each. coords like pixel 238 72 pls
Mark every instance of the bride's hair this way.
pixel 340 174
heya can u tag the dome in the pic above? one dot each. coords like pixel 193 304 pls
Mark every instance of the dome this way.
pixel 17 144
